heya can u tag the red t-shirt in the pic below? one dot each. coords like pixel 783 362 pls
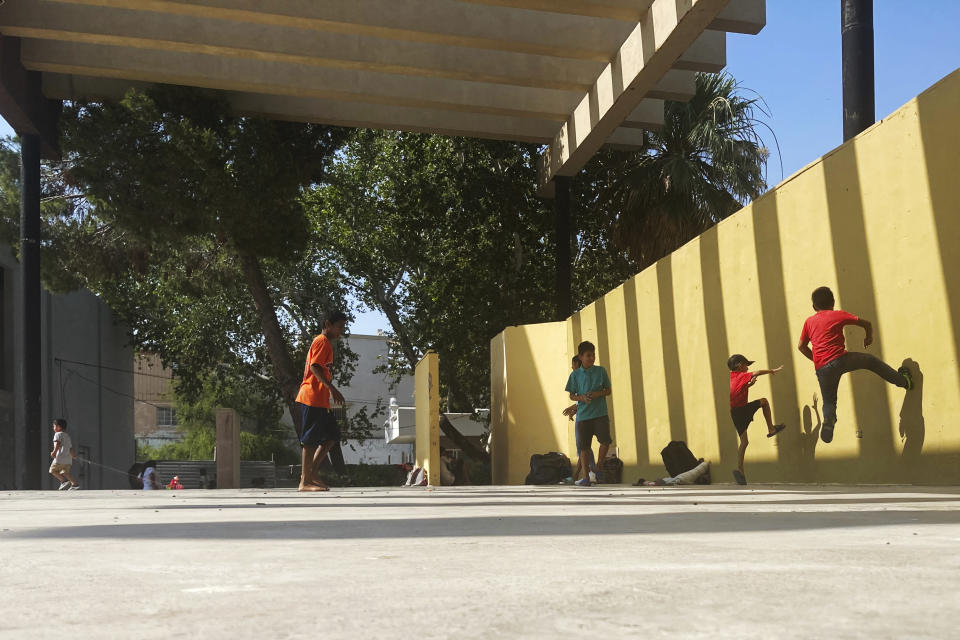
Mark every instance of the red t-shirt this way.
pixel 824 331
pixel 739 387
pixel 312 392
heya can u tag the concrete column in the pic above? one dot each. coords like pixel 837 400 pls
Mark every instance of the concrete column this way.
pixel 228 449
pixel 29 349
pixel 427 401
pixel 859 109
pixel 561 208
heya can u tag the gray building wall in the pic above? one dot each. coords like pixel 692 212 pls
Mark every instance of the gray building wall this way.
pixel 86 376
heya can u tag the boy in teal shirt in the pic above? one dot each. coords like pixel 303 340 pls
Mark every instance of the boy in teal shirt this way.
pixel 589 386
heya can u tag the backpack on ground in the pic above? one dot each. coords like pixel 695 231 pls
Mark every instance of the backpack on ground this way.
pixel 677 458
pixel 612 469
pixel 548 468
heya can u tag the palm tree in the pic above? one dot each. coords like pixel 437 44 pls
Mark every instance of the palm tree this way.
pixel 704 164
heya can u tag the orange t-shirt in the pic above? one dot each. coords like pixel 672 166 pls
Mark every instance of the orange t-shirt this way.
pixel 312 392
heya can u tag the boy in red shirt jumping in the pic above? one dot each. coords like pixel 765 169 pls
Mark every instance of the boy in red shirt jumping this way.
pixel 822 341
pixel 741 411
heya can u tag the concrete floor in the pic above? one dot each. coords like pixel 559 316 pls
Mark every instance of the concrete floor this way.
pixel 600 562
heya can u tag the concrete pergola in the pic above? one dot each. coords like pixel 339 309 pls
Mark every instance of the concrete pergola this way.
pixel 571 75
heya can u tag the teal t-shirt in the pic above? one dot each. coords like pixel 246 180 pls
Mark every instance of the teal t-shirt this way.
pixel 583 381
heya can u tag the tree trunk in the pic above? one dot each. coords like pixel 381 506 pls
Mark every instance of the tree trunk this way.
pixel 285 371
pixel 390 310
pixel 461 441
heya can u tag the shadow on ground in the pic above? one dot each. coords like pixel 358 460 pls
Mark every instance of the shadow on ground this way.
pixel 498 526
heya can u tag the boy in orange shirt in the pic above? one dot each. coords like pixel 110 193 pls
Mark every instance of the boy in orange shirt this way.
pixel 741 411
pixel 319 430
pixel 822 341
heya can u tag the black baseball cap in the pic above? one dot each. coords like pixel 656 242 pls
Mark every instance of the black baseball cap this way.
pixel 736 359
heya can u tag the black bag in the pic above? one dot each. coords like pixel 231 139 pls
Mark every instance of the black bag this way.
pixel 549 468
pixel 677 458
pixel 612 469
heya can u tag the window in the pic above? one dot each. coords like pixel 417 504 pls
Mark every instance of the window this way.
pixel 166 417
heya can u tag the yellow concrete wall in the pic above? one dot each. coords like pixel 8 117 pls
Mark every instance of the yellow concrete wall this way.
pixel 528 363
pixel 427 401
pixel 877 220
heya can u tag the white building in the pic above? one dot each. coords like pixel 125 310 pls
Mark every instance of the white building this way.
pixel 366 388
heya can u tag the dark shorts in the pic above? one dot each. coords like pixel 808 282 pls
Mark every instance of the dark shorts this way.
pixel 586 429
pixel 318 425
pixel 743 416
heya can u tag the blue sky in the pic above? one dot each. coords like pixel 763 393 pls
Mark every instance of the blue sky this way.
pixel 794 64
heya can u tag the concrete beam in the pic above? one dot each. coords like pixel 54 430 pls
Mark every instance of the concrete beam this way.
pixel 304 109
pixel 627 139
pixel 256 76
pixel 667 30
pixel 204 36
pixel 22 103
pixel 742 16
pixel 628 10
pixel 676 85
pixel 428 21
pixel 647 115
pixel 708 53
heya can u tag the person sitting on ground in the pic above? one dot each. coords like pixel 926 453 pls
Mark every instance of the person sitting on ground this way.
pixel 589 471
pixel 589 386
pixel 149 476
pixel 446 474
pixel 822 341
pixel 62 455
pixel 741 411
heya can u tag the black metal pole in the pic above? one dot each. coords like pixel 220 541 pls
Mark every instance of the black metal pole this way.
pixel 561 207
pixel 859 109
pixel 30 381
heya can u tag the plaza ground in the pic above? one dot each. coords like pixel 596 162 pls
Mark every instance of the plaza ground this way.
pixel 609 561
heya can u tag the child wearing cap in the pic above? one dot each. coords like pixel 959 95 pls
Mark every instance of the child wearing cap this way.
pixel 822 342
pixel 741 379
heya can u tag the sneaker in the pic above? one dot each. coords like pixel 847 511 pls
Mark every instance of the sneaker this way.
pixel 583 482
pixel 64 485
pixel 593 477
pixel 826 432
pixel 906 374
pixel 73 487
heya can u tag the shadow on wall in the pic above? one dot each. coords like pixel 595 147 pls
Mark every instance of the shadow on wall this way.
pixel 940 146
pixel 855 293
pixel 778 330
pixel 632 321
pixel 912 426
pixel 671 350
pixel 718 345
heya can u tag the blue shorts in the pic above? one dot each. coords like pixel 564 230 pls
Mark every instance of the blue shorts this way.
pixel 318 425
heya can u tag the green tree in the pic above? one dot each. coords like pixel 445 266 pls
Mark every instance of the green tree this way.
pixel 446 237
pixel 188 222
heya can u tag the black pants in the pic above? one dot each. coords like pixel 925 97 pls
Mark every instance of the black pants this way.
pixel 829 376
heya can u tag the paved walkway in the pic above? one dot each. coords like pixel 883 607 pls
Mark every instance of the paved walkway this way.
pixel 601 562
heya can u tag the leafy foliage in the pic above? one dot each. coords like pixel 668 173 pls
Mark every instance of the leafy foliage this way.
pixel 704 164
pixel 446 237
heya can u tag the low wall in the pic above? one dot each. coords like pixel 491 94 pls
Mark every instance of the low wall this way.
pixel 877 220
